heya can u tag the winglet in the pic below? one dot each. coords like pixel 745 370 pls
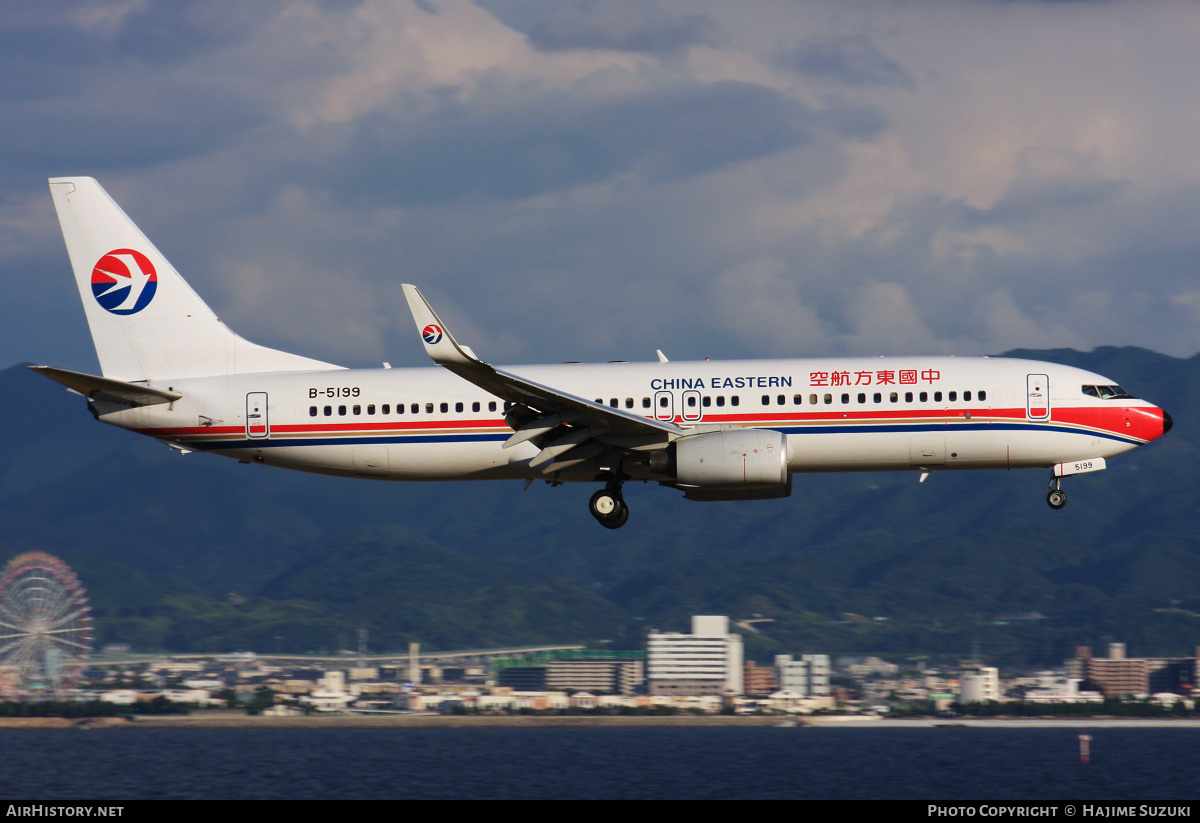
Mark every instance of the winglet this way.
pixel 439 343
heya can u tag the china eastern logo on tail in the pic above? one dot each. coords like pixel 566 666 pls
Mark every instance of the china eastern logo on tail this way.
pixel 124 281
pixel 431 334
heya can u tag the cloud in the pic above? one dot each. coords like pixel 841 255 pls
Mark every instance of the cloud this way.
pixel 559 141
pixel 619 25
pixel 594 180
pixel 851 59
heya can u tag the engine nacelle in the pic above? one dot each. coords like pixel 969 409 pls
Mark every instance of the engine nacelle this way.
pixel 734 460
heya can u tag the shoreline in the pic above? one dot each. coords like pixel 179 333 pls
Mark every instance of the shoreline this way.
pixel 237 720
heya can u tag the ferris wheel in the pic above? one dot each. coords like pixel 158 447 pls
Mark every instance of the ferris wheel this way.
pixel 45 627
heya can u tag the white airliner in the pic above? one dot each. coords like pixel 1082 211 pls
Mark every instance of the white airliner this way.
pixel 733 430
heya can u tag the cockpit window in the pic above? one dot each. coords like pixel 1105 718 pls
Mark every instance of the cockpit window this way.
pixel 1107 392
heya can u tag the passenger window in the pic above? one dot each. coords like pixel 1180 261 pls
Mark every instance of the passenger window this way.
pixel 797 399
pixel 691 401
pixel 328 411
pixel 812 400
pixel 937 397
pixel 358 409
pixel 878 398
pixel 924 396
pixel 416 407
pixel 953 396
pixel 491 405
pixel 662 401
pixel 387 408
pixel 982 395
pixel 475 406
pixel 429 408
pixel 894 397
pixel 908 397
pixel 312 411
pixel 828 399
pixel 507 405
pixel 645 402
pixel 341 411
pixel 845 399
pixel 629 402
pixel 458 407
pixel 445 407
pixel 766 399
pixel 862 398
pixel 967 396
pixel 720 400
pixel 613 402
pixel 735 400
pixel 706 401
pixel 371 409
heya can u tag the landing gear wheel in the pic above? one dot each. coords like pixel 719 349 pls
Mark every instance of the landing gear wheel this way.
pixel 1057 498
pixel 618 521
pixel 609 508
pixel 604 504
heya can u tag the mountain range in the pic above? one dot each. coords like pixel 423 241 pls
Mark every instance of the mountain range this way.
pixel 200 553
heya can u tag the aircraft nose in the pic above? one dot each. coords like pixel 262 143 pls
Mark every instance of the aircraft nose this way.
pixel 1167 422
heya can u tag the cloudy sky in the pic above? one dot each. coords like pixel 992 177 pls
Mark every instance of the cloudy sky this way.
pixel 591 180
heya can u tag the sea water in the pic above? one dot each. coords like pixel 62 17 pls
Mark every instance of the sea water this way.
pixel 569 763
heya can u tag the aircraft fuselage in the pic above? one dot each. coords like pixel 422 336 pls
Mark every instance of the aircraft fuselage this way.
pixel 846 414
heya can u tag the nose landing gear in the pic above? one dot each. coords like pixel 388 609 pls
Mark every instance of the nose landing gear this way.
pixel 608 506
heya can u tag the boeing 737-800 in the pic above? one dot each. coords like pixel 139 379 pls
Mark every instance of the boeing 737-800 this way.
pixel 733 430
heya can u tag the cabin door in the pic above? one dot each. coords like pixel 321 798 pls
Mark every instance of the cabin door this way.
pixel 1037 396
pixel 258 426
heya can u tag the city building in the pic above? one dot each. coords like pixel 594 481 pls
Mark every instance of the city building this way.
pixel 759 681
pixel 808 676
pixel 861 667
pixel 599 672
pixel 707 661
pixel 978 684
pixel 1119 675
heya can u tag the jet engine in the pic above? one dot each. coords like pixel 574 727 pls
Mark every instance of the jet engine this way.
pixel 739 464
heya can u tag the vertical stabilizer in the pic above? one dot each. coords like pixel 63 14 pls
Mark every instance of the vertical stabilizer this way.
pixel 146 322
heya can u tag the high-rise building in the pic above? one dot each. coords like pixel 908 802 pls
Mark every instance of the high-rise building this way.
pixel 807 677
pixel 707 661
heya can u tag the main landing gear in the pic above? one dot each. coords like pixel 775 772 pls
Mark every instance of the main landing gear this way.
pixel 1057 498
pixel 608 506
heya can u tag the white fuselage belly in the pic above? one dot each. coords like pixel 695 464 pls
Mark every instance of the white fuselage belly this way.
pixel 948 413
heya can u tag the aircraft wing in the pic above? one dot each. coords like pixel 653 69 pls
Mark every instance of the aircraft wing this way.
pixel 103 388
pixel 580 419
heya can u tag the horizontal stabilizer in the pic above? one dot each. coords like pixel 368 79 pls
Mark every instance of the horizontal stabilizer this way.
pixel 103 388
